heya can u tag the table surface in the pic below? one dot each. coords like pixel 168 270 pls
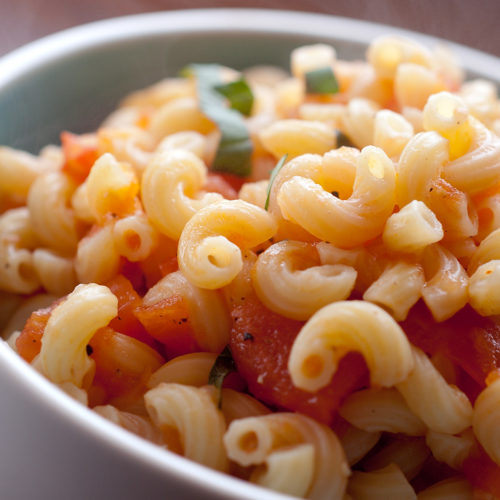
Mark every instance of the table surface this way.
pixel 470 23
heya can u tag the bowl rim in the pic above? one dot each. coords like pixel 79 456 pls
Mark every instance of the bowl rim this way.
pixel 227 20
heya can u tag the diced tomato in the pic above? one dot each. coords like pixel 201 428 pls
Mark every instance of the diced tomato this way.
pixel 123 364
pixel 218 183
pixel 168 322
pixel 133 272
pixel 161 261
pixel 29 343
pixel 233 181
pixel 80 154
pixel 469 340
pixel 482 472
pixel 261 341
pixel 126 321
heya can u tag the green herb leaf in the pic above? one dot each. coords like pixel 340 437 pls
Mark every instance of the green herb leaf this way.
pixel 235 147
pixel 321 81
pixel 343 140
pixel 223 366
pixel 274 173
pixel 239 95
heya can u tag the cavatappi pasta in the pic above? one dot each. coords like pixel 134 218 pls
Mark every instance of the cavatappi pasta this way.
pixel 347 300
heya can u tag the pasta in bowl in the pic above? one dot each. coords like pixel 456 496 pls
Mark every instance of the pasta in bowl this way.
pixel 283 274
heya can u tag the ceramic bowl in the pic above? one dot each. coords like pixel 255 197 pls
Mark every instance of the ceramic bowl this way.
pixel 50 446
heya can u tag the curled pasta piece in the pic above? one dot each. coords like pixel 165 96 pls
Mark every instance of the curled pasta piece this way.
pixel 345 223
pixel 349 326
pixel 188 369
pixel 397 289
pixel 254 193
pixel 208 315
pixel 358 121
pixel 412 228
pixel 18 171
pixel 55 272
pixel 97 259
pixel 16 228
pixel 483 288
pixel 488 249
pixel 141 426
pixel 445 291
pixel 210 245
pixel 111 187
pixel 297 137
pixel 485 420
pixel 17 271
pixel 134 237
pixel 236 405
pixel 52 219
pixel 375 410
pixel 357 442
pixel 450 449
pixel 190 416
pixel 442 407
pixel 388 482
pixel 454 488
pixel 289 279
pixel 391 132
pixel 478 168
pixel 253 440
pixel 310 57
pixel 71 325
pixel 420 164
pixel 170 187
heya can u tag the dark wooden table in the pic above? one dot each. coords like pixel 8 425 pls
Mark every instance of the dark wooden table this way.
pixel 473 23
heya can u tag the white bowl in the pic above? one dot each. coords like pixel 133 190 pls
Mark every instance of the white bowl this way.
pixel 50 446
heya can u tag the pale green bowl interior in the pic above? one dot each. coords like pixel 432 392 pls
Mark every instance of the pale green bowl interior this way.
pixel 76 92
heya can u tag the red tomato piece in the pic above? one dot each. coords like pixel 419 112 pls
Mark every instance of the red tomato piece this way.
pixel 126 321
pixel 469 340
pixel 261 341
pixel 219 183
pixel 482 472
pixel 80 153
pixel 161 261
pixel 123 364
pixel 168 322
pixel 29 343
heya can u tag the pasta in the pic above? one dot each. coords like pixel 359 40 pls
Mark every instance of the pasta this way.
pixel 289 277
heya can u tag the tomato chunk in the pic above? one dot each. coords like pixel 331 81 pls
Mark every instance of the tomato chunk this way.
pixel 168 322
pixel 469 340
pixel 123 364
pixel 80 153
pixel 126 321
pixel 29 343
pixel 261 341
pixel 482 472
pixel 219 183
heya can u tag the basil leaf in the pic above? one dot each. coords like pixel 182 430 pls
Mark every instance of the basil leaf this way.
pixel 274 173
pixel 321 81
pixel 223 366
pixel 239 95
pixel 235 147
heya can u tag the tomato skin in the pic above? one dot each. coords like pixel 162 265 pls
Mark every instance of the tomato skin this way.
pixel 168 322
pixel 482 472
pixel 222 184
pixel 29 343
pixel 80 155
pixel 471 341
pixel 123 364
pixel 262 359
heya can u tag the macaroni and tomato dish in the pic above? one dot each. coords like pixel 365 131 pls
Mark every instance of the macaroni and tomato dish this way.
pixel 292 278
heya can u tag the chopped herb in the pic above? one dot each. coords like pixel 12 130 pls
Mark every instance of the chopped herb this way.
pixel 321 81
pixel 223 366
pixel 239 95
pixel 274 173
pixel 235 147
pixel 343 140
pixel 335 193
pixel 247 336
